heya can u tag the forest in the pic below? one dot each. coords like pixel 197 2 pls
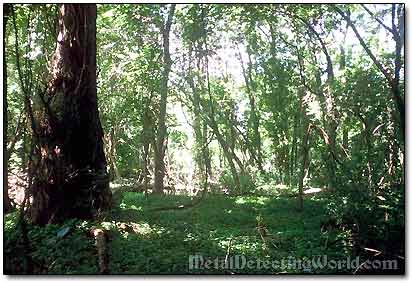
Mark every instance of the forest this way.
pixel 203 139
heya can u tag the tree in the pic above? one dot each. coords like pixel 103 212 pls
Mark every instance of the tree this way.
pixel 6 199
pixel 397 31
pixel 256 148
pixel 161 131
pixel 68 171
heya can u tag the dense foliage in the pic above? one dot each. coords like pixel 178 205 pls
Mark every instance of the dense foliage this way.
pixel 249 108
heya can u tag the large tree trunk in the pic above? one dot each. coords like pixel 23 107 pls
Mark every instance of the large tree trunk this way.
pixel 161 130
pixel 6 199
pixel 69 171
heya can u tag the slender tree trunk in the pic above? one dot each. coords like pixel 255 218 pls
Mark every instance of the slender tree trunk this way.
pixel 229 155
pixel 305 160
pixel 393 81
pixel 231 138
pixel 161 130
pixel 391 145
pixel 114 171
pixel 206 152
pixel 25 149
pixel 345 138
pixel 257 140
pixel 197 124
pixel 226 151
pixel 295 157
pixel 398 34
pixel 367 144
pixel 331 117
pixel 254 118
pixel 147 135
pixel 69 173
pixel 200 129
pixel 330 114
pixel 146 149
pixel 293 151
pixel 6 199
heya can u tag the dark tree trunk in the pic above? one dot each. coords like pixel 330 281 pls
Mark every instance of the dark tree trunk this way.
pixel 6 199
pixel 69 171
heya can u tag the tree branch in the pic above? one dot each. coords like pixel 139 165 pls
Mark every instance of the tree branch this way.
pixel 391 30
pixel 365 47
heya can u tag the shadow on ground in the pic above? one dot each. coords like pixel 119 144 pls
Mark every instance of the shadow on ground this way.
pixel 252 229
pixel 162 241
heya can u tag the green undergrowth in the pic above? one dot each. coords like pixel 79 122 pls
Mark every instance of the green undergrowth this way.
pixel 143 241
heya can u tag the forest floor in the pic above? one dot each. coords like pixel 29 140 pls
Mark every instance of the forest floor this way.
pixel 258 230
pixel 253 228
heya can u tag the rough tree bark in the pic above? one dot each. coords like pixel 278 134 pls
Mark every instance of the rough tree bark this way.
pixel 161 130
pixel 69 172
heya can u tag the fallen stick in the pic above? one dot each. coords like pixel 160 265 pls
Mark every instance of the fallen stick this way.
pixel 100 243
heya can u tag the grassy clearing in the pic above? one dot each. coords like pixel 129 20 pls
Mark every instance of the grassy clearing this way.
pixel 147 242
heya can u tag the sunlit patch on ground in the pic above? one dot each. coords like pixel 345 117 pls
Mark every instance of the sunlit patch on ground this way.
pixel 312 190
pixel 148 242
pixel 260 200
